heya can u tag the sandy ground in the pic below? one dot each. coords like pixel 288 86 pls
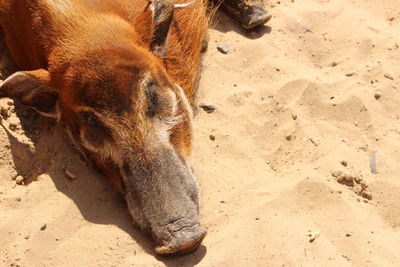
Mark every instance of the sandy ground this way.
pixel 295 103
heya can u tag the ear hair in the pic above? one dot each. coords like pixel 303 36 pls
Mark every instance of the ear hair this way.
pixel 177 6
pixel 163 13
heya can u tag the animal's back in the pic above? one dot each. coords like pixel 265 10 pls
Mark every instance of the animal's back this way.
pixel 38 25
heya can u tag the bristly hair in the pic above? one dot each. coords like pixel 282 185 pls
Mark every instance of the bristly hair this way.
pixel 188 35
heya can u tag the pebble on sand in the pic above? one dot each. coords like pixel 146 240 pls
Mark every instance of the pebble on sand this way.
pixel 223 48
pixel 313 236
pixel 388 76
pixel 19 180
pixel 69 174
pixel 346 257
pixel 207 107
pixel 5 113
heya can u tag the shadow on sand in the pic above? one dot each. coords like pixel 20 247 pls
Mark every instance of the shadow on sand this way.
pixel 50 153
pixel 223 23
pixel 95 199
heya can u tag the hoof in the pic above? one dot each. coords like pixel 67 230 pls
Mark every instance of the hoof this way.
pixel 255 16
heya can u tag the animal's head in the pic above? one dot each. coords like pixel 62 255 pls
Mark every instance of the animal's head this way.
pixel 121 107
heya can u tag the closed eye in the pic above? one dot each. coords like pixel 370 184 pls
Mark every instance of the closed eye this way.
pixel 90 118
pixel 93 128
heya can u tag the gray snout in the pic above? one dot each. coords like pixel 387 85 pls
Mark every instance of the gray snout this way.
pixel 181 236
pixel 162 196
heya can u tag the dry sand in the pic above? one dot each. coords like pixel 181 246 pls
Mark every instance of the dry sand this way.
pixel 286 119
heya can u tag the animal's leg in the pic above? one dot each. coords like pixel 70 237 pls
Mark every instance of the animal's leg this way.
pixel 249 13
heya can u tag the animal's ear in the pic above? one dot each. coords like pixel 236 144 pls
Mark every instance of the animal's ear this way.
pixel 31 89
pixel 162 12
pixel 162 15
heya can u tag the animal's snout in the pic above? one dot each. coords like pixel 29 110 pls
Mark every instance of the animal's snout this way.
pixel 160 187
pixel 179 237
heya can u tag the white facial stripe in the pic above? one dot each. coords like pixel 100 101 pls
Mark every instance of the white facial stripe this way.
pixel 185 101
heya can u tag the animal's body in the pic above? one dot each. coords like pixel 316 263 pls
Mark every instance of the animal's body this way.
pixel 121 75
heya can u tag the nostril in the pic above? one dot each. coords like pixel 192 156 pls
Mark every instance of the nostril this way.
pixel 183 242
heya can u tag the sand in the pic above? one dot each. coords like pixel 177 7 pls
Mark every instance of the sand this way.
pixel 295 103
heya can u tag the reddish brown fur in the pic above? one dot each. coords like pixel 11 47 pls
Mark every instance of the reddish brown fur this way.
pixel 187 35
pixel 90 47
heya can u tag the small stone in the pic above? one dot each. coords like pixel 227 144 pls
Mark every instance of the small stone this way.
pixel 257 218
pixel 313 236
pixel 223 48
pixel 212 137
pixel 388 76
pixel 207 108
pixel 294 116
pixel 27 237
pixel 13 126
pixel 334 63
pixel 336 173
pixel 19 180
pixel 315 143
pixel 377 96
pixel 344 163
pixel 5 113
pixel 289 137
pixel 367 195
pixel 350 74
pixel 349 233
pixel 43 227
pixel 222 201
pixel 346 257
pixel 358 180
pixel 69 174
pixel 346 180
